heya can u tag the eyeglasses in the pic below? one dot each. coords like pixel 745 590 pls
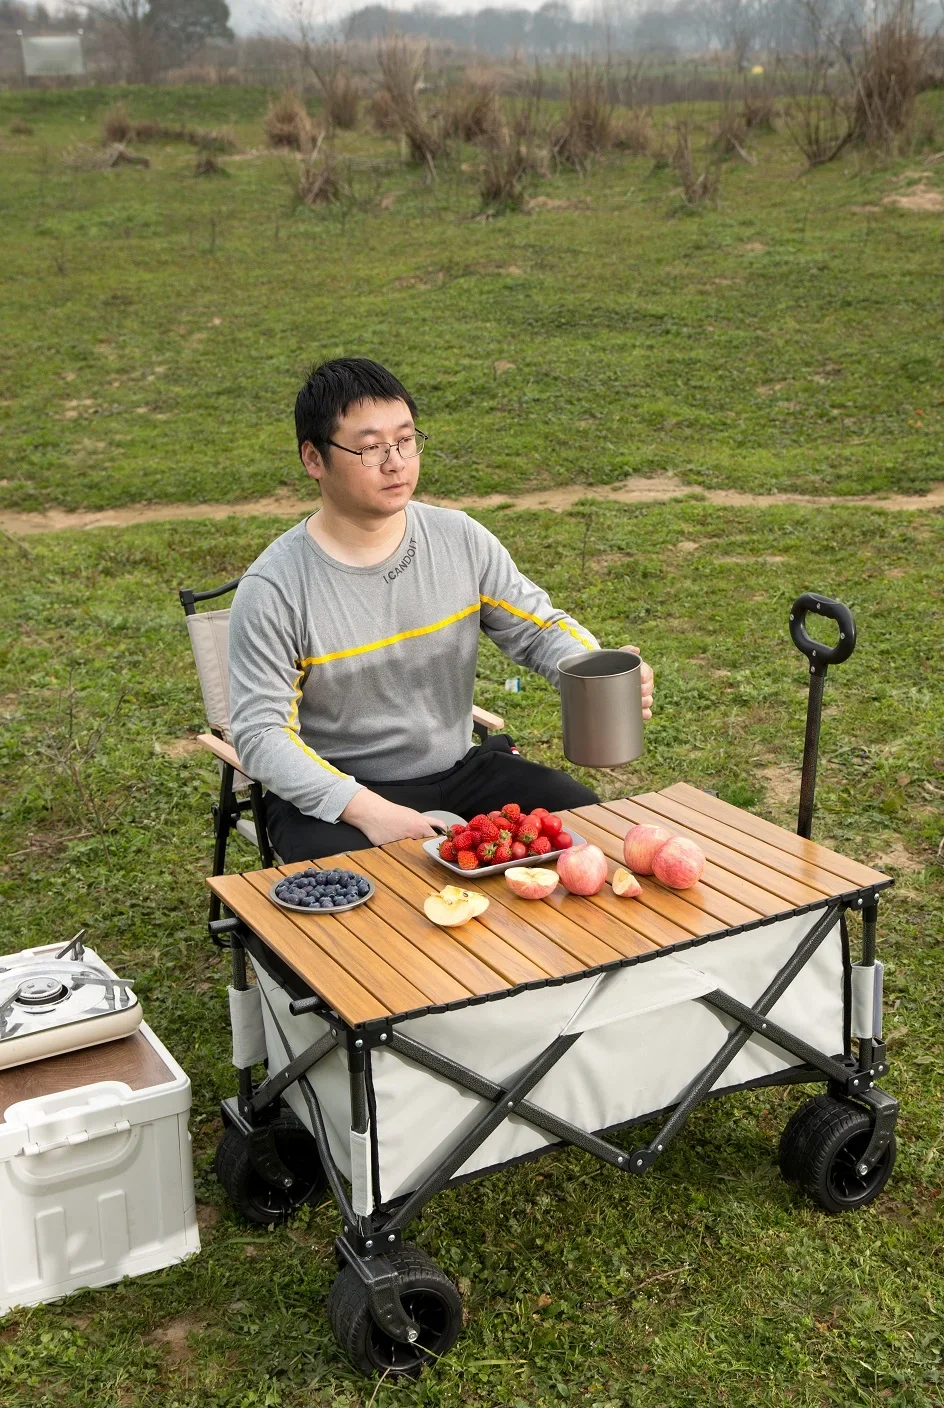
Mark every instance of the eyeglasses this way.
pixel 373 456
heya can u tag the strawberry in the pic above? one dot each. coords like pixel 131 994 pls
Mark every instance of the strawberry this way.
pixel 467 860
pixel 563 841
pixel 489 830
pixel 486 852
pixel 502 853
pixel 511 810
pixel 477 837
pixel 456 828
pixel 447 851
pixel 539 811
pixel 505 837
pixel 518 850
pixel 496 817
pixel 551 825
pixel 540 847
pixel 463 841
pixel 528 830
pixel 478 822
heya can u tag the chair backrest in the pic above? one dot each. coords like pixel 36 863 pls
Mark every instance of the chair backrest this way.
pixel 209 641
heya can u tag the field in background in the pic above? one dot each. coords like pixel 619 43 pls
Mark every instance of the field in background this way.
pixel 157 324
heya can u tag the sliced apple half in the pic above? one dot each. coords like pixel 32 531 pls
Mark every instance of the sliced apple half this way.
pixel 453 906
pixel 531 882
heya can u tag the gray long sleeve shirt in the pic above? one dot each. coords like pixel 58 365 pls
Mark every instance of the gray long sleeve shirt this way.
pixel 340 673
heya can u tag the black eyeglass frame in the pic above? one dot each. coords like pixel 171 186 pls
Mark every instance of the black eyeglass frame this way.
pixel 419 436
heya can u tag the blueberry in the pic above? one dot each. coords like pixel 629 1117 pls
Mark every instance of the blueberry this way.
pixel 310 871
pixel 362 887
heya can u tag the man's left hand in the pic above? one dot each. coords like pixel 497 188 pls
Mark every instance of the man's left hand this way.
pixel 646 680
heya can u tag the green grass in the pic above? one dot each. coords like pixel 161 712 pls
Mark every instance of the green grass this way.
pixel 156 326
pixel 708 1282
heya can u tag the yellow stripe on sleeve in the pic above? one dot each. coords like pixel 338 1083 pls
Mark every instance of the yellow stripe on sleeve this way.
pixel 527 616
pixel 292 729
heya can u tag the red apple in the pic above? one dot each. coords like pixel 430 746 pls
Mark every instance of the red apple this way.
pixel 582 870
pixel 680 863
pixel 640 845
pixel 530 884
pixel 625 883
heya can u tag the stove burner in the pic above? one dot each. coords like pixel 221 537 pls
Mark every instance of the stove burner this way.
pixel 40 992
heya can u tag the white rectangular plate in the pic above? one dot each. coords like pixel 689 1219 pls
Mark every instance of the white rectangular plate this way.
pixel 431 847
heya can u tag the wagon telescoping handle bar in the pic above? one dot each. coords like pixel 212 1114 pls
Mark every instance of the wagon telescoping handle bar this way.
pixel 820 657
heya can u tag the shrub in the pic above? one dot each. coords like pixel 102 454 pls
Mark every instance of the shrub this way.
pixel 341 101
pixel 21 129
pixel 888 72
pixel 287 123
pixel 383 115
pixel 116 124
pixel 469 112
pixel 700 181
pixel 320 180
pixel 730 137
pixel 401 67
pixel 207 165
pixel 633 133
pixel 587 127
pixel 758 112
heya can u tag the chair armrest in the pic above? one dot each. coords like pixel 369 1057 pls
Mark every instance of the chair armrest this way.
pixel 224 751
pixel 487 720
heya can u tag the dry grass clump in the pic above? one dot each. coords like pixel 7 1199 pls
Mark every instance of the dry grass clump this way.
pixel 759 112
pixel 730 135
pixel 889 73
pixel 587 127
pixel 401 67
pixel 207 165
pixel 342 101
pixel 83 157
pixel 21 129
pixel 469 112
pixel 514 150
pixel 633 133
pixel 216 139
pixel 287 123
pixel 321 180
pixel 382 113
pixel 700 180
pixel 116 124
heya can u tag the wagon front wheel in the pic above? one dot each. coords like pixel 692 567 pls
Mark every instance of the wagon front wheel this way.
pixel 428 1297
pixel 820 1151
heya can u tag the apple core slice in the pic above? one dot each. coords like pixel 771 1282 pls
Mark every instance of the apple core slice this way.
pixel 625 884
pixel 453 906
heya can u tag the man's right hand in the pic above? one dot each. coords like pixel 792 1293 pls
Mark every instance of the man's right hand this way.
pixel 382 821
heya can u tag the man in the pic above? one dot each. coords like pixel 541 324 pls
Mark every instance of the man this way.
pixel 354 638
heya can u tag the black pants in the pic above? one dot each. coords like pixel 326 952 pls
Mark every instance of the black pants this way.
pixel 489 775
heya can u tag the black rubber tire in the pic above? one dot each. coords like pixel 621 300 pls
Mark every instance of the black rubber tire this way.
pixel 427 1295
pixel 819 1150
pixel 250 1194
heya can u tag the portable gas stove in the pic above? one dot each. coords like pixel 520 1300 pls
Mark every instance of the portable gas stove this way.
pixel 55 999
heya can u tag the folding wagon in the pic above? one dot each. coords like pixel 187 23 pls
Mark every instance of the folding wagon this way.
pixel 403 1058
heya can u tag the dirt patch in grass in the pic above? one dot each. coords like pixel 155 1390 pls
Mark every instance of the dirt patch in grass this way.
pixel 172 1337
pixel 897 856
pixel 782 787
pixel 922 199
pixel 180 748
pixel 640 489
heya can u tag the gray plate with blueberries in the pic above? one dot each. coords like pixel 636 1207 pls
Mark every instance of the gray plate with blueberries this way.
pixel 314 891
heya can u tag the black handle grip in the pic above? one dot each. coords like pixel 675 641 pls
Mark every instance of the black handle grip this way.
pixel 822 655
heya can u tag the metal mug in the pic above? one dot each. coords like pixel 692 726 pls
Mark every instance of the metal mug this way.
pixel 601 707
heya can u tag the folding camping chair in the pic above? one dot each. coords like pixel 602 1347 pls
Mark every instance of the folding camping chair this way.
pixel 241 804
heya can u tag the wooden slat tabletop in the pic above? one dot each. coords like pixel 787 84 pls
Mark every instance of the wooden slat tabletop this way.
pixel 385 958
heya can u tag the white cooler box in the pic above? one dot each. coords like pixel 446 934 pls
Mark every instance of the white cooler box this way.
pixel 96 1173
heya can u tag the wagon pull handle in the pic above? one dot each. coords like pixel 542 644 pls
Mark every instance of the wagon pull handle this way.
pixel 820 657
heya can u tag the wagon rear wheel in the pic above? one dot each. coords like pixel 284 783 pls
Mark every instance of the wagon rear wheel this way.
pixel 820 1152
pixel 428 1296
pixel 252 1195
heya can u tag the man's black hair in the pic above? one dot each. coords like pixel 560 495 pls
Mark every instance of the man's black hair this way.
pixel 334 386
